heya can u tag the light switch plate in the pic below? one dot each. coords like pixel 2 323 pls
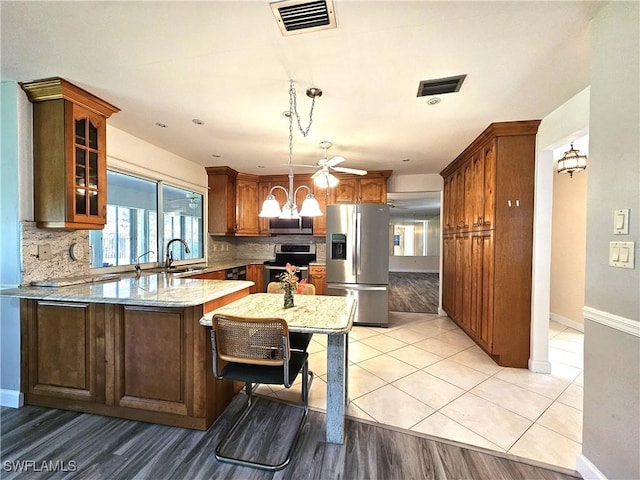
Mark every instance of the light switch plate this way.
pixel 621 222
pixel 622 254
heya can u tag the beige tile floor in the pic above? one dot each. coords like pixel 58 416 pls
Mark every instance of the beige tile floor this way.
pixel 424 374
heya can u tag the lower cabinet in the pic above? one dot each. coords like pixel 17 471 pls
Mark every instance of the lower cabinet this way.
pixel 255 275
pixel 65 351
pixel 142 363
pixel 318 277
pixel 478 301
pixel 216 275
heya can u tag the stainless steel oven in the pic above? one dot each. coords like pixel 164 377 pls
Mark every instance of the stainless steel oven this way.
pixel 299 255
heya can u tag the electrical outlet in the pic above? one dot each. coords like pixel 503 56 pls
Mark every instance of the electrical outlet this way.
pixel 44 252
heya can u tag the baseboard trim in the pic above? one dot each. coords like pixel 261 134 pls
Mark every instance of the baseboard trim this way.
pixel 538 366
pixel 632 327
pixel 567 322
pixel 588 470
pixel 11 398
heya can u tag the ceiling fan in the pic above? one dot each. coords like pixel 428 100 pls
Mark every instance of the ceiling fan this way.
pixel 323 177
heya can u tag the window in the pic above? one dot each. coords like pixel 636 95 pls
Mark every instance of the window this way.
pixel 134 206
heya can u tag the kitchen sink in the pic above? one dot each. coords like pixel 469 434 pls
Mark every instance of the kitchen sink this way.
pixel 186 269
pixel 176 270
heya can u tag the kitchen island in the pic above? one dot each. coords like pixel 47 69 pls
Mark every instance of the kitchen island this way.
pixel 329 315
pixel 130 348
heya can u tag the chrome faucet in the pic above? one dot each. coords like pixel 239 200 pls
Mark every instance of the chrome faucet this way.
pixel 137 266
pixel 169 259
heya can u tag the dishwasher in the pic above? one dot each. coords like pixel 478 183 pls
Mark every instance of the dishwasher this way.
pixel 237 273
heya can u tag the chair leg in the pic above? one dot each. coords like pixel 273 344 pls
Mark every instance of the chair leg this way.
pixel 307 380
pixel 306 375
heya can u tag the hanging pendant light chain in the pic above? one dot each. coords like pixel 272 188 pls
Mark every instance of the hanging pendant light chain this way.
pixel 293 109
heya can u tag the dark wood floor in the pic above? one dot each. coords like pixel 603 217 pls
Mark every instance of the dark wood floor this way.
pixel 413 292
pixel 95 447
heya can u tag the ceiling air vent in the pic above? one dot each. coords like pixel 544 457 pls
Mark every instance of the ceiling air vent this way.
pixel 304 16
pixel 440 86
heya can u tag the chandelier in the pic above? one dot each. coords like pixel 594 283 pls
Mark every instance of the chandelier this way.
pixel 572 162
pixel 310 207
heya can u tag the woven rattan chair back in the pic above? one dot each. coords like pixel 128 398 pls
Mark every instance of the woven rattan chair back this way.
pixel 259 341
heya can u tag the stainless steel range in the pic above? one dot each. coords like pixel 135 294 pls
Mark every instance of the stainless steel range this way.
pixel 299 255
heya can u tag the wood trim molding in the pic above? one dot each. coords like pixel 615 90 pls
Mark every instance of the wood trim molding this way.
pixel 55 87
pixel 626 325
pixel 494 130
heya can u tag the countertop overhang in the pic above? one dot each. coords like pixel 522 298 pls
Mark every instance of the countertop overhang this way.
pixel 161 290
pixel 331 315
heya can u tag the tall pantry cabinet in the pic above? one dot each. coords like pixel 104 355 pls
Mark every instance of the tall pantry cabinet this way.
pixel 488 240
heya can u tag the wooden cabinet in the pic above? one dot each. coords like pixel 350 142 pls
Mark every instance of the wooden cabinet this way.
pixel 488 240
pixel 145 363
pixel 247 206
pixel 235 199
pixel 255 275
pixel 215 275
pixel 233 202
pixel 222 200
pixel 371 188
pixel 318 277
pixel 152 372
pixel 69 155
pixel 63 351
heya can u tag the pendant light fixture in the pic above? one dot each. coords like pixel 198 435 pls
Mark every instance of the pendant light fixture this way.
pixel 310 207
pixel 572 162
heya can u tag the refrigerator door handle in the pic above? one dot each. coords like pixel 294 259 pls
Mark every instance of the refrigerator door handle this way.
pixel 358 243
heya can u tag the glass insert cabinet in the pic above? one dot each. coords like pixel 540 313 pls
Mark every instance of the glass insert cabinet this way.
pixel 69 154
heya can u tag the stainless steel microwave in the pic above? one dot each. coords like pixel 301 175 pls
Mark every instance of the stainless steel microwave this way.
pixel 286 226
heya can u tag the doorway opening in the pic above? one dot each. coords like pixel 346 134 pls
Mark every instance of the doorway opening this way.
pixel 414 252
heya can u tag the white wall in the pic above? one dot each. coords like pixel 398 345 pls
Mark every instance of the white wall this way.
pixel 611 425
pixel 415 183
pixel 131 154
pixel 568 122
pixel 10 152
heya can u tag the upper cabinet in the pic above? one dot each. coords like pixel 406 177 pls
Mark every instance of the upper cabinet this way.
pixel 69 155
pixel 235 199
pixel 247 220
pixel 371 188
pixel 233 202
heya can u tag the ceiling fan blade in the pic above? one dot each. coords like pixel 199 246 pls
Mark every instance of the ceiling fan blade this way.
pixel 354 171
pixel 335 161
pixel 319 172
pixel 307 165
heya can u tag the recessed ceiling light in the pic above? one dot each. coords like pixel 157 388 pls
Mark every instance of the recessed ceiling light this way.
pixel 434 101
pixel 406 159
pixel 161 125
pixel 197 121
pixel 216 155
pixel 260 166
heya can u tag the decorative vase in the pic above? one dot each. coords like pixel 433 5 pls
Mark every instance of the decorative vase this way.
pixel 288 298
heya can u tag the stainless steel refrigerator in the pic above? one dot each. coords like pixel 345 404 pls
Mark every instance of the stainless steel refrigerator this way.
pixel 358 258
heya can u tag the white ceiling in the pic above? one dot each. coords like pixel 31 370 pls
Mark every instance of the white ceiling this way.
pixel 227 64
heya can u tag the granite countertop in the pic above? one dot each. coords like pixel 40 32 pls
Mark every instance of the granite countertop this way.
pixel 159 289
pixel 311 313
